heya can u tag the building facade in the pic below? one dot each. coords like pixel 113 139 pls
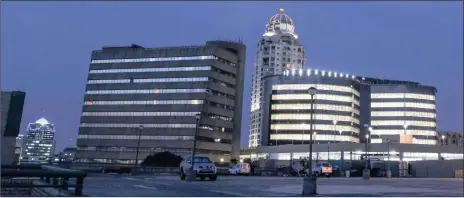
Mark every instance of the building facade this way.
pixel 162 90
pixel 11 112
pixel 278 50
pixel 346 109
pixel 39 142
pixel 450 138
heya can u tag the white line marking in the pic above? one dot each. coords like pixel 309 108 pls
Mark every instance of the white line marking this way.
pixel 229 193
pixel 142 186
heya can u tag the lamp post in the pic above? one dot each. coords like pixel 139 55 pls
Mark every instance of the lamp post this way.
pixel 138 147
pixel 335 129
pixel 342 154
pixel 389 174
pixel 192 173
pixel 366 171
pixel 309 182
pixel 405 126
pixel 442 139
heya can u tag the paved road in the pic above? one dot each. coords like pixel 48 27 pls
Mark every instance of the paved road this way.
pixel 144 185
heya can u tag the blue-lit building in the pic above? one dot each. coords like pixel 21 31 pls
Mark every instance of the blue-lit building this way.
pixel 39 142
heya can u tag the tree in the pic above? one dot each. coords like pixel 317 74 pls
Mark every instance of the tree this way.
pixel 162 159
pixel 233 161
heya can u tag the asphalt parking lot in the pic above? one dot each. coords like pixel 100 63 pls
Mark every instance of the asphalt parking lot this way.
pixel 147 185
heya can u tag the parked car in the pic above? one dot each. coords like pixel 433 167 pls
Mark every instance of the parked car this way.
pixel 322 169
pixel 203 166
pixel 239 169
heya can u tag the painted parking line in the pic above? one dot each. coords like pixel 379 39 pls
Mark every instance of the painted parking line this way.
pixel 146 187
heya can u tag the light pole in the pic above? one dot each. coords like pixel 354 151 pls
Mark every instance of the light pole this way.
pixel 405 126
pixel 138 147
pixel 309 182
pixel 342 154
pixel 193 174
pixel 389 174
pixel 442 139
pixel 366 171
pixel 335 129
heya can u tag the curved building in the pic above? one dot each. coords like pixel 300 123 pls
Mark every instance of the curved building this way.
pixel 39 142
pixel 346 109
pixel 278 50
pixel 288 107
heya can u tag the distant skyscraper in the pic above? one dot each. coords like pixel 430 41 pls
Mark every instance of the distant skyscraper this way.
pixel 278 50
pixel 39 142
pixel 162 89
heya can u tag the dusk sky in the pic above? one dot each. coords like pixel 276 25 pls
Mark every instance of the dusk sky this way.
pixel 46 46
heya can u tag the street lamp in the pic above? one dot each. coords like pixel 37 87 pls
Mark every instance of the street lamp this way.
pixel 192 173
pixel 138 147
pixel 309 182
pixel 388 159
pixel 335 128
pixel 405 126
pixel 366 172
pixel 442 139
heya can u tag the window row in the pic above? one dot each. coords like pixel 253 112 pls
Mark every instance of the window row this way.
pixel 403 113
pixel 449 156
pixel 316 137
pixel 402 104
pixel 316 97
pixel 423 141
pixel 148 80
pixel 403 123
pixel 304 126
pixel 162 69
pixel 403 95
pixel 309 72
pixel 113 125
pixel 401 131
pixel 317 86
pixel 144 102
pixel 139 113
pixel 134 137
pixel 316 106
pixel 146 91
pixel 142 149
pixel 138 60
pixel 306 116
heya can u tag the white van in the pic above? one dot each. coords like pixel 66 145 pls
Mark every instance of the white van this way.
pixel 239 169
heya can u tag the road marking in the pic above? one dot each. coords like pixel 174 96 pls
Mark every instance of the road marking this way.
pixel 142 186
pixel 229 193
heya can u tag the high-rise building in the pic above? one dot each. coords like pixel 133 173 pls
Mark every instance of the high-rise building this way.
pixel 39 142
pixel 19 146
pixel 278 50
pixel 11 112
pixel 162 90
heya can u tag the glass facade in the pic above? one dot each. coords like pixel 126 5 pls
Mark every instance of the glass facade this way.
pixel 39 142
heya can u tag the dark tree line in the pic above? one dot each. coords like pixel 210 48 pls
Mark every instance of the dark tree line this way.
pixel 162 159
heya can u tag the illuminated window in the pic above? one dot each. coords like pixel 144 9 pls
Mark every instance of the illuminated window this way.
pixel 402 122
pixel 316 137
pixel 108 81
pixel 139 113
pixel 306 116
pixel 149 80
pixel 138 60
pixel 135 137
pixel 145 91
pixel 113 125
pixel 403 95
pixel 316 97
pixel 148 102
pixel 402 104
pixel 348 89
pixel 164 69
pixel 403 113
pixel 326 127
pixel 401 131
pixel 316 106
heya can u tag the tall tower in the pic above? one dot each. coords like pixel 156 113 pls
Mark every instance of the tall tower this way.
pixel 277 51
pixel 39 142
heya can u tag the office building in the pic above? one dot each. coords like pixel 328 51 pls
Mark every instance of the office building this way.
pixel 346 109
pixel 278 50
pixel 19 146
pixel 450 138
pixel 11 112
pixel 154 94
pixel 39 142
